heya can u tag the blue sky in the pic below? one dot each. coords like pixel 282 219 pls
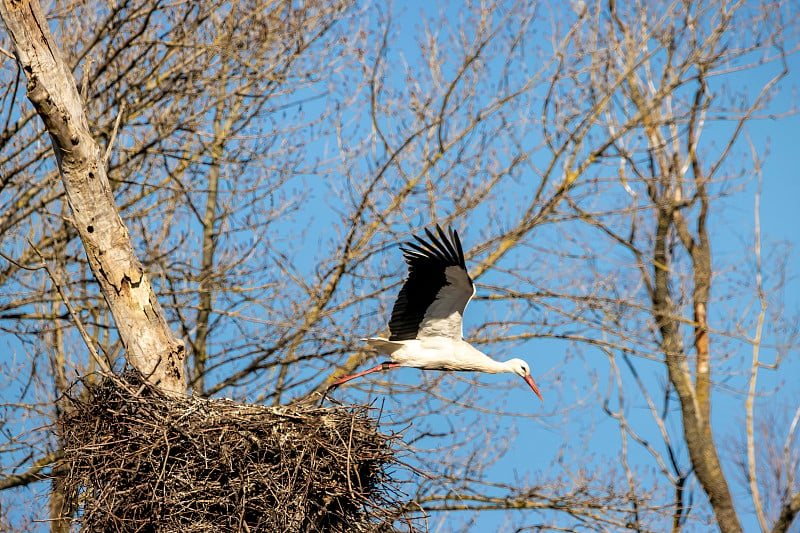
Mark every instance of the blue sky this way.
pixel 533 443
pixel 537 435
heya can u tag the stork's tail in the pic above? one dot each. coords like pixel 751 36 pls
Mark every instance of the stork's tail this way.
pixel 383 346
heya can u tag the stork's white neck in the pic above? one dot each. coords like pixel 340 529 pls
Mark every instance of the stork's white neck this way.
pixel 477 360
pixel 490 366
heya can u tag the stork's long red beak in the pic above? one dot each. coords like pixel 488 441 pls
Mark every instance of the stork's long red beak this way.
pixel 529 381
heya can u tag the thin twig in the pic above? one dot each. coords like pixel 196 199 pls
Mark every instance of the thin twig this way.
pixel 87 66
pixel 752 471
pixel 20 265
pixel 114 133
pixel 84 334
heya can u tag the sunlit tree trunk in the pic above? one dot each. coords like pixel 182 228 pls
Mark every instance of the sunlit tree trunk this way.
pixel 150 345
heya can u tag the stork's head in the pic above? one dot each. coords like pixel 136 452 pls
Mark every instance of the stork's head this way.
pixel 521 368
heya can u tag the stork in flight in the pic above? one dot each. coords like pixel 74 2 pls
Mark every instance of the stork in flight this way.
pixel 425 328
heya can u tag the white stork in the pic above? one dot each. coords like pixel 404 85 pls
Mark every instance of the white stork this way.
pixel 425 329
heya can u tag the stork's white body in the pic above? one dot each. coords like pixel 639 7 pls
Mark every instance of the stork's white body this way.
pixel 437 353
pixel 425 325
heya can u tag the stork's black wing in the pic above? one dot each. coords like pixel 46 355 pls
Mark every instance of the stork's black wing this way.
pixel 438 288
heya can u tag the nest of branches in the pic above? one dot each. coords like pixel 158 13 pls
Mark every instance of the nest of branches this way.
pixel 137 460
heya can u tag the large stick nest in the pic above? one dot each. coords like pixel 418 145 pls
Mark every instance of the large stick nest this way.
pixel 137 460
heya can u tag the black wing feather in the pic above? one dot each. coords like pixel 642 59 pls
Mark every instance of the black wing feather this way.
pixel 460 250
pixel 427 262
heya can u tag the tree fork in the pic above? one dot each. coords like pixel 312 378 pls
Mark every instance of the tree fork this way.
pixel 696 424
pixel 150 345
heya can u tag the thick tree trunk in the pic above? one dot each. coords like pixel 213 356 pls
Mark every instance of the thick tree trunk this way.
pixel 694 400
pixel 150 345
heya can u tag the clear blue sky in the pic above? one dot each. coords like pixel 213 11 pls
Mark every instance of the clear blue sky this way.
pixel 539 433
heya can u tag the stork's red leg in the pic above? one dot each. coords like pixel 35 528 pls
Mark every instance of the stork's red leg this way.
pixel 383 366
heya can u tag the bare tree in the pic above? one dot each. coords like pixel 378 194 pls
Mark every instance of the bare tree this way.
pixel 150 345
pixel 268 158
pixel 627 170
pixel 239 91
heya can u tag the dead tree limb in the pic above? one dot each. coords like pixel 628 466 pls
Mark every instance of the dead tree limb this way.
pixel 150 345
